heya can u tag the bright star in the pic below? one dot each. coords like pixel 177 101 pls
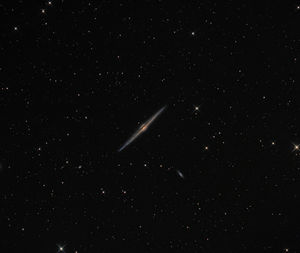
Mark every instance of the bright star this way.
pixel 296 147
pixel 196 108
pixel 61 248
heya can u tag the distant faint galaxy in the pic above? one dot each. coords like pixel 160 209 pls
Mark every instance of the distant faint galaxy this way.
pixel 180 174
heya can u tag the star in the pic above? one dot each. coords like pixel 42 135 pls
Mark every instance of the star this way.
pixel 61 248
pixel 296 147
pixel 43 11
pixel 193 33
pixel 196 108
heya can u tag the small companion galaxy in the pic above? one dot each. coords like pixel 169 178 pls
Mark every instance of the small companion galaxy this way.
pixel 149 126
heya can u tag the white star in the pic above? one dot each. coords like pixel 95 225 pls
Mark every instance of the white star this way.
pixel 61 248
pixel 196 108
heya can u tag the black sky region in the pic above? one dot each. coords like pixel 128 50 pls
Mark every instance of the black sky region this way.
pixel 218 171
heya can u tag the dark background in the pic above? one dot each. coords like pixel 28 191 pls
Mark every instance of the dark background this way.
pixel 78 77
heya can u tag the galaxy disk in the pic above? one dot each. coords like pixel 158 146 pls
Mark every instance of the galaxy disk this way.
pixel 142 129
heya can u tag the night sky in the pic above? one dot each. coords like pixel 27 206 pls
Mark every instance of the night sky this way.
pixel 217 171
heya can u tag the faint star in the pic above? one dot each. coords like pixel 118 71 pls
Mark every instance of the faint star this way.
pixel 273 142
pixel 206 147
pixel 43 11
pixel 16 28
pixel 193 33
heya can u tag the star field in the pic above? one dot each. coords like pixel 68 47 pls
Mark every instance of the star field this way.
pixel 218 171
